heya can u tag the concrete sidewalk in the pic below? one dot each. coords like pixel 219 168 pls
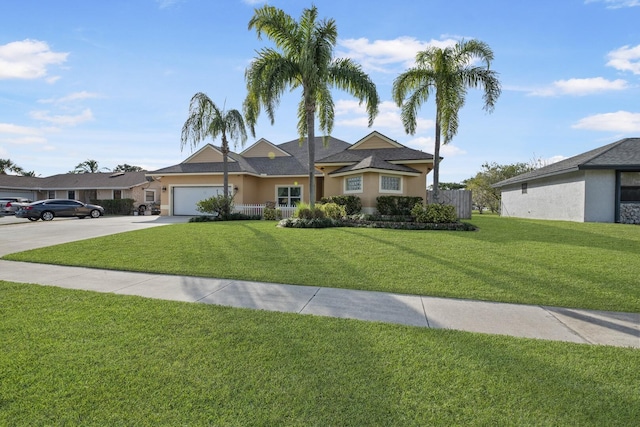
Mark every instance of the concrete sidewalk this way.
pixel 549 323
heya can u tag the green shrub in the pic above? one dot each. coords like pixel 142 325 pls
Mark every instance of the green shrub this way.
pixel 216 205
pixel 272 214
pixel 309 223
pixel 303 211
pixel 352 204
pixel 115 206
pixel 434 213
pixel 333 210
pixel 396 205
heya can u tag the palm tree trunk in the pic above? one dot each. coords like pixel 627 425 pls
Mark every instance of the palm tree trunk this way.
pixel 311 146
pixel 225 173
pixel 436 163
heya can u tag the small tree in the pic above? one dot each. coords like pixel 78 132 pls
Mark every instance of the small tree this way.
pixel 206 119
pixel 484 195
pixel 219 206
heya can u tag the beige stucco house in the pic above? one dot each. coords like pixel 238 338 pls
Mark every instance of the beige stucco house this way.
pixel 265 172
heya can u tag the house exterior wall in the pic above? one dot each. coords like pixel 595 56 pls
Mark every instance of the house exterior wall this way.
pixel 251 189
pixel 560 197
pixel 414 186
pixel 600 196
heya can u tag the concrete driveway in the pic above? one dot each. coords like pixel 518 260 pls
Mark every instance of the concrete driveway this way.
pixel 20 234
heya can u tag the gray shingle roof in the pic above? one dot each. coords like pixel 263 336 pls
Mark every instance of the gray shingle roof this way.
pixel 72 181
pixel 296 165
pixel 621 155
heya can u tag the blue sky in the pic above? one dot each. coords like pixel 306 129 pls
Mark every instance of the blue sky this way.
pixel 111 80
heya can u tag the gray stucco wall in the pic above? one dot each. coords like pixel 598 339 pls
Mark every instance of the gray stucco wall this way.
pixel 560 197
pixel 582 196
pixel 600 196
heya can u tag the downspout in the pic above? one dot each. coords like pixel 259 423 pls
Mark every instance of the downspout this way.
pixel 617 196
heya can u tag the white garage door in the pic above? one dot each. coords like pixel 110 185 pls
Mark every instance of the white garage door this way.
pixel 186 198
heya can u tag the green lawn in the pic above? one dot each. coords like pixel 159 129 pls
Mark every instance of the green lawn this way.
pixel 509 260
pixel 82 358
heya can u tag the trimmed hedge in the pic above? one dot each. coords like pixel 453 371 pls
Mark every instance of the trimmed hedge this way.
pixel 115 206
pixel 396 205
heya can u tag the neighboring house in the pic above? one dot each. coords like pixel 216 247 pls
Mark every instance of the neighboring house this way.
pixel 85 187
pixel 265 172
pixel 601 185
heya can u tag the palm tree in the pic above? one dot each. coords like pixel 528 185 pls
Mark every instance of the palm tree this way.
pixel 88 166
pixel 305 61
pixel 6 165
pixel 448 72
pixel 206 119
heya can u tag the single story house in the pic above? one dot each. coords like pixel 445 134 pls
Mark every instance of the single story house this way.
pixel 265 172
pixel 85 187
pixel 601 185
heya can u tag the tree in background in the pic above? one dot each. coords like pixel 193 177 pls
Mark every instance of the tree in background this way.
pixel 206 119
pixel 88 166
pixel 305 61
pixel 6 166
pixel 483 194
pixel 448 186
pixel 448 72
pixel 127 168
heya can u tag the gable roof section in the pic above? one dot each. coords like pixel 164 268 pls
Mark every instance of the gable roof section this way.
pixel 376 140
pixel 76 181
pixel 620 155
pixel 208 153
pixel 264 148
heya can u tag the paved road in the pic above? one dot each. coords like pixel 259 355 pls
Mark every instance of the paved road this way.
pixel 550 323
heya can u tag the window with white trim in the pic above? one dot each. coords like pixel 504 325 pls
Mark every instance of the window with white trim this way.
pixel 71 194
pixel 51 194
pixel 353 184
pixel 117 194
pixel 149 196
pixel 289 196
pixel 390 184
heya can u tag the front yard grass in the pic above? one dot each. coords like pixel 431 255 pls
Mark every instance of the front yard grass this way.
pixel 580 265
pixel 72 357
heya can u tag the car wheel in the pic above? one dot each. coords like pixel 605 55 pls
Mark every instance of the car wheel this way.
pixel 95 213
pixel 47 216
pixel 32 218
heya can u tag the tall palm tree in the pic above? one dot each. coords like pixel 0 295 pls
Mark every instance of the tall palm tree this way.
pixel 6 165
pixel 305 61
pixel 206 119
pixel 448 72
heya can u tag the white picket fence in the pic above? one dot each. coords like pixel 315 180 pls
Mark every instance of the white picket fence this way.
pixel 287 211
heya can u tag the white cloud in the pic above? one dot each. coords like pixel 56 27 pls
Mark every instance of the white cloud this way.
pixel 626 58
pixel 620 121
pixel 616 4
pixel 28 59
pixel 63 120
pixel 76 96
pixel 581 87
pixel 386 55
pixel 388 118
pixel 20 135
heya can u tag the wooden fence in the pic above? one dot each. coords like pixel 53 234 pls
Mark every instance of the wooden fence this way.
pixel 287 211
pixel 460 199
